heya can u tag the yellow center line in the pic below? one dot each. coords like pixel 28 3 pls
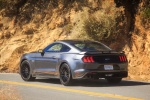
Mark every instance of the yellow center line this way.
pixel 71 90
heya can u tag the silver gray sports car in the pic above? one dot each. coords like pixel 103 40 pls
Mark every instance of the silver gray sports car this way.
pixel 68 60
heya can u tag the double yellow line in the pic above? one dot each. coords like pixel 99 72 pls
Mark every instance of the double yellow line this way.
pixel 71 90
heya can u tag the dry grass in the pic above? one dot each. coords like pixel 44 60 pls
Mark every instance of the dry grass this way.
pixel 9 93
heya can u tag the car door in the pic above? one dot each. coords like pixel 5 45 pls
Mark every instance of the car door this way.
pixel 47 61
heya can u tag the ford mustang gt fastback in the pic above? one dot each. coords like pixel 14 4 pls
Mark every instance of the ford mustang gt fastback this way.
pixel 68 60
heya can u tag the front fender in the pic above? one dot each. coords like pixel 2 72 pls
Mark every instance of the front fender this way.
pixel 30 59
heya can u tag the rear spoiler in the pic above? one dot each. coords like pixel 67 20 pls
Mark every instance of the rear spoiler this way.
pixel 103 52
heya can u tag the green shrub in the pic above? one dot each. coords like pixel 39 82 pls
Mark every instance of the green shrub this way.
pixel 7 3
pixel 101 29
pixel 105 24
pixel 2 3
pixel 146 13
pixel 106 27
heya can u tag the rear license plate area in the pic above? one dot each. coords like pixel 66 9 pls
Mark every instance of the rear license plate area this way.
pixel 108 67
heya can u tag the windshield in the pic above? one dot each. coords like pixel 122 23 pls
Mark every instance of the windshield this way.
pixel 91 46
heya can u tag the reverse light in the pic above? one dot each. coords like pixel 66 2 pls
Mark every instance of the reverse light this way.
pixel 88 59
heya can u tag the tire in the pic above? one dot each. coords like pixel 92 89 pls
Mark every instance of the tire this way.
pixel 113 80
pixel 25 71
pixel 65 75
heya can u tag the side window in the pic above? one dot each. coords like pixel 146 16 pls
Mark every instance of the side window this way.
pixel 65 48
pixel 54 48
pixel 80 45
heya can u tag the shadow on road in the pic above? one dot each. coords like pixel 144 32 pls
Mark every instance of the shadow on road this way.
pixel 103 83
pixel 94 83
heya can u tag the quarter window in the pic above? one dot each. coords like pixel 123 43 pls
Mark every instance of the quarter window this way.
pixel 91 46
pixel 65 48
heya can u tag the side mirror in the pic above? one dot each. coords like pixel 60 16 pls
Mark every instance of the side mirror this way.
pixel 122 52
pixel 41 51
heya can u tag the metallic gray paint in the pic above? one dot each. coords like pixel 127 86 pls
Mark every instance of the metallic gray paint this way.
pixel 48 65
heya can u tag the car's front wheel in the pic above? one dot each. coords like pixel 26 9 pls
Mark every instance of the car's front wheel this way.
pixel 25 71
pixel 65 75
pixel 114 80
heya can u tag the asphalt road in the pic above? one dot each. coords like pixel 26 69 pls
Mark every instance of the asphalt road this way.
pixel 51 89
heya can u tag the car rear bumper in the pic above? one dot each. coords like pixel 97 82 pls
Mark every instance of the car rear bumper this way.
pixel 84 74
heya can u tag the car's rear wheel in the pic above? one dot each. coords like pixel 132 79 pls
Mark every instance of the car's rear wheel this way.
pixel 114 80
pixel 65 75
pixel 25 71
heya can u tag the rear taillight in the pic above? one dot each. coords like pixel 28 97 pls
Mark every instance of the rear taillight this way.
pixel 88 59
pixel 123 58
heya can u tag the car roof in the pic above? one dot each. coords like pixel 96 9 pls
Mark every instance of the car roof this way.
pixel 70 42
pixel 75 41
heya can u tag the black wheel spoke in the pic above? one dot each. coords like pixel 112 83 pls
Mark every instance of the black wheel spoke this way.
pixel 25 71
pixel 64 74
pixel 64 79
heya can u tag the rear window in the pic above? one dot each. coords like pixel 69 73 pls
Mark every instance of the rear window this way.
pixel 91 46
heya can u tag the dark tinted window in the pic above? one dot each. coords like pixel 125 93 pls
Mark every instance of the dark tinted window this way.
pixel 91 46
pixel 65 48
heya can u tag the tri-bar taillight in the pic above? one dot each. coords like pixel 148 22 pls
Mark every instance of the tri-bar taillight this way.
pixel 88 59
pixel 123 58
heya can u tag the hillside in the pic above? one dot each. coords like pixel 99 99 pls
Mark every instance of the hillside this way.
pixel 29 25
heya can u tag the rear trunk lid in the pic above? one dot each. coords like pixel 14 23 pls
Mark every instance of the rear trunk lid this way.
pixel 106 57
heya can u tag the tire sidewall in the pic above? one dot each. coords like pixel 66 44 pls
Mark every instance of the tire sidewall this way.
pixel 70 75
pixel 23 63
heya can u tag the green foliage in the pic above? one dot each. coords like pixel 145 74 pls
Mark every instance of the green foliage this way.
pixel 65 2
pixel 2 3
pixel 105 24
pixel 7 3
pixel 104 27
pixel 101 29
pixel 146 13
